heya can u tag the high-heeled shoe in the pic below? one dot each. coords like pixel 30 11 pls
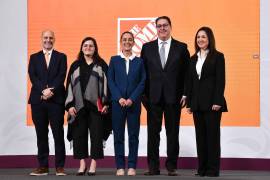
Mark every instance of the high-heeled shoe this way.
pixel 91 173
pixel 92 168
pixel 81 173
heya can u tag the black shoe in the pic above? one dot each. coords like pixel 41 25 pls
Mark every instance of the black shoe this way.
pixel 152 173
pixel 81 173
pixel 172 173
pixel 212 174
pixel 91 173
pixel 200 174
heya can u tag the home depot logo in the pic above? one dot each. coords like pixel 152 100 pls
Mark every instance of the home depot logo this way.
pixel 143 29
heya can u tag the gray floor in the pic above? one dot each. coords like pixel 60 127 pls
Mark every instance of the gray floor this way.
pixel 22 174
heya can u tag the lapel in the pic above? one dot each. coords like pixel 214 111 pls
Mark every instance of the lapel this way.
pixel 122 66
pixel 52 61
pixel 170 55
pixel 205 64
pixel 194 60
pixel 132 67
pixel 43 64
pixel 156 56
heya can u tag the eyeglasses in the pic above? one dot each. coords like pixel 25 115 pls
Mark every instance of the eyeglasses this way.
pixel 162 25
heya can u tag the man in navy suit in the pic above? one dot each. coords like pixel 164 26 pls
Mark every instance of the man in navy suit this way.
pixel 47 72
pixel 166 62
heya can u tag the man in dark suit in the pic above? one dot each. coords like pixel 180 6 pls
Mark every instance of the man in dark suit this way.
pixel 166 62
pixel 47 72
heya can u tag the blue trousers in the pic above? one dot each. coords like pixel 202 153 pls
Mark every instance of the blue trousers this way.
pixel 121 115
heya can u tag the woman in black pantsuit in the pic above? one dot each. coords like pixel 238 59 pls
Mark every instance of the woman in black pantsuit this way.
pixel 206 100
pixel 86 102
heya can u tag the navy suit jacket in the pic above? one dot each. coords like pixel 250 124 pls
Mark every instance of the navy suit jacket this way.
pixel 123 85
pixel 42 77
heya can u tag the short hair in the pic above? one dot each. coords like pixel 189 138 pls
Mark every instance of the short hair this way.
pixel 211 39
pixel 127 32
pixel 164 17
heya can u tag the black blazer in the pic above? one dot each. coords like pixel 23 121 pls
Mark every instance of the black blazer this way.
pixel 203 93
pixel 42 77
pixel 170 80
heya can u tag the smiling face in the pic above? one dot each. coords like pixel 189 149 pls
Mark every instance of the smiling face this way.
pixel 47 40
pixel 202 40
pixel 88 48
pixel 127 42
pixel 163 29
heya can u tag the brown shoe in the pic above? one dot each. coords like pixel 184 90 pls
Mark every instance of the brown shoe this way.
pixel 41 171
pixel 60 171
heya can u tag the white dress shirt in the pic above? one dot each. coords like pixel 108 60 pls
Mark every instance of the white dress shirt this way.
pixel 127 59
pixel 200 62
pixel 167 47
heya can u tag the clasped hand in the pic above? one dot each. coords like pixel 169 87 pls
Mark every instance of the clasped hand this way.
pixel 47 93
pixel 125 102
pixel 214 108
pixel 72 111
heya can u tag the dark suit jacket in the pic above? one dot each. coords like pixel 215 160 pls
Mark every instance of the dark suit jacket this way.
pixel 42 77
pixel 203 93
pixel 123 85
pixel 170 80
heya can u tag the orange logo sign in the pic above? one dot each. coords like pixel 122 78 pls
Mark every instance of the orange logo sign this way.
pixel 143 29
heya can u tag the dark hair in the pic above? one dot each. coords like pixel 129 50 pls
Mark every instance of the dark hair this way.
pixel 211 39
pixel 127 32
pixel 96 57
pixel 164 17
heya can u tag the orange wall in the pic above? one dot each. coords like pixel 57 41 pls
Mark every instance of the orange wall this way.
pixel 235 24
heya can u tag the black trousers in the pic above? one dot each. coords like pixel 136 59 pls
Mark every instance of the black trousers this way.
pixel 207 127
pixel 91 120
pixel 44 114
pixel 154 122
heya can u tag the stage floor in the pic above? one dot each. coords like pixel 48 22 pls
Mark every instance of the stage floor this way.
pixel 22 174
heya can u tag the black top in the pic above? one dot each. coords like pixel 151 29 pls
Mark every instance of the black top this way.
pixel 85 71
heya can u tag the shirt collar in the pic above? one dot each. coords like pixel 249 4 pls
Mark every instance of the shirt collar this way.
pixel 199 53
pixel 130 57
pixel 168 41
pixel 50 51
